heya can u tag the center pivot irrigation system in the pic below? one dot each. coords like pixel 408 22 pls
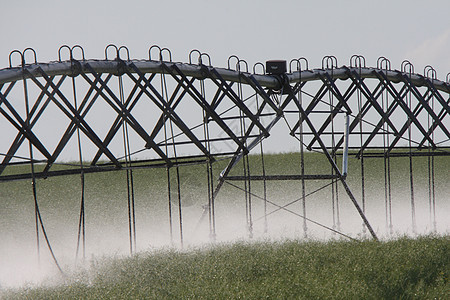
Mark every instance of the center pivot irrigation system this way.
pixel 123 114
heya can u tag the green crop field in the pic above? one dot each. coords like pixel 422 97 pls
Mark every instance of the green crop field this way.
pixel 278 264
pixel 401 269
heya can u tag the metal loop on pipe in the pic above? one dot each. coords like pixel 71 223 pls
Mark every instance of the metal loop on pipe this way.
pixel 407 64
pixel 74 64
pixel 259 64
pixel 64 47
pixel 429 70
pixel 81 49
pixel 117 51
pixel 127 51
pixel 299 64
pixel 106 50
pixel 207 55
pixel 238 65
pixel 165 50
pixel 358 60
pixel 150 52
pixel 194 51
pixel 231 57
pixel 21 57
pixel 329 60
pixel 386 62
pixel 200 57
pixel 290 64
pixel 34 53
pixel 71 51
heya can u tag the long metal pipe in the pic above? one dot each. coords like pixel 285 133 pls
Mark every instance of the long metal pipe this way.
pixel 149 66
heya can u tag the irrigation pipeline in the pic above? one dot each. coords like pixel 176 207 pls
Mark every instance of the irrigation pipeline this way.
pixel 229 119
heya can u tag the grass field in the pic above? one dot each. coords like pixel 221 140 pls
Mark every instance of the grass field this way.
pixel 107 235
pixel 400 269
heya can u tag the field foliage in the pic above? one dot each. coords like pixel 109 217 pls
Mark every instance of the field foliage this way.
pixel 398 269
pixel 279 268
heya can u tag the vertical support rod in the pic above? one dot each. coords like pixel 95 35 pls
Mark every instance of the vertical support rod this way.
pixel 81 223
pixel 433 190
pixel 180 212
pixel 211 203
pixel 345 152
pixel 169 190
pixel 33 178
pixel 249 195
pixel 177 168
pixel 261 149
pixel 264 188
pixel 246 167
pixel 209 172
pixel 363 194
pixel 210 200
pixel 387 167
pixel 169 197
pixel 129 173
pixel 411 177
pixel 334 186
pixel 302 166
pixel 431 182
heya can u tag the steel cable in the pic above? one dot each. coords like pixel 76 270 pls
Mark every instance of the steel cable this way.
pixel 209 171
pixel 297 214
pixel 38 217
pixel 165 95
pixel 129 173
pixel 81 223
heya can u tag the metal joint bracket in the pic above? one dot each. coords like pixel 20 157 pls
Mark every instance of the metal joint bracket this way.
pixel 121 67
pixel 76 68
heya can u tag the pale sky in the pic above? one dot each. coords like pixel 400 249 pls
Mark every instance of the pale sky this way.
pixel 254 30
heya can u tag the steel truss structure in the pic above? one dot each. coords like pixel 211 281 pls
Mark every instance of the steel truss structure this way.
pixel 123 114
